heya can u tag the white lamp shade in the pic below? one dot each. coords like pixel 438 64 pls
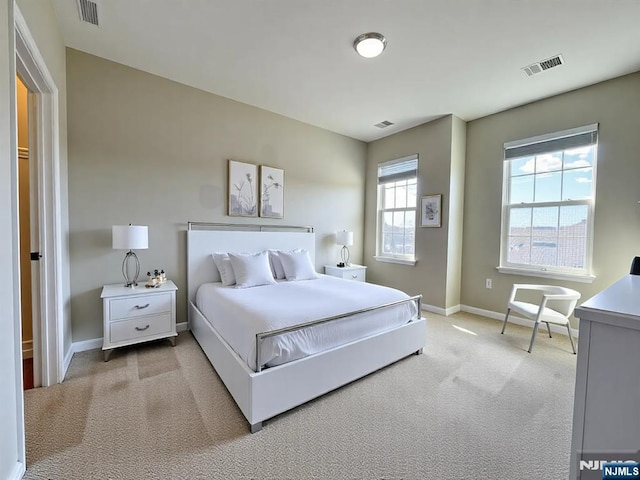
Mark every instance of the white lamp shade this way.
pixel 344 238
pixel 130 237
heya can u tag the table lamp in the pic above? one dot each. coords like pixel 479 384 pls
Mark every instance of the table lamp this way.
pixel 345 239
pixel 130 237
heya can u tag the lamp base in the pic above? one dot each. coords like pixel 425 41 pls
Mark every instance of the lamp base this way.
pixel 131 280
pixel 344 256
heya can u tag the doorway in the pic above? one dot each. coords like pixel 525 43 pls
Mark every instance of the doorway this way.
pixel 25 219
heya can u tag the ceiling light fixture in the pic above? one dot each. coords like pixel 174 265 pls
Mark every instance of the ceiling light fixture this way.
pixel 369 45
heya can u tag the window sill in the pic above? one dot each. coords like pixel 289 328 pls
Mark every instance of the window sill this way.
pixel 542 274
pixel 399 261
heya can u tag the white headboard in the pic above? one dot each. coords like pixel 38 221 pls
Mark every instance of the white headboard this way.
pixel 202 243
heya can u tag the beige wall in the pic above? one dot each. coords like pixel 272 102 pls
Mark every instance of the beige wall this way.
pixel 146 150
pixel 440 158
pixel 614 105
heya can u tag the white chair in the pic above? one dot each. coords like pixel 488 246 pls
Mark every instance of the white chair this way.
pixel 556 306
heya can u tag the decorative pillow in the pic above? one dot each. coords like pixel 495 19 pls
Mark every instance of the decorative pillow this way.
pixel 251 270
pixel 297 265
pixel 276 263
pixel 223 262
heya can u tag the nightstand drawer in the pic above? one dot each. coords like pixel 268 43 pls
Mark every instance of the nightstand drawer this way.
pixel 139 306
pixel 141 327
pixel 356 273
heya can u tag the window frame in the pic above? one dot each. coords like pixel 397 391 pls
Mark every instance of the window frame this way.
pixel 381 256
pixel 584 274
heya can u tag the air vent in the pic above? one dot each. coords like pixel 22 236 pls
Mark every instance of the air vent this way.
pixel 384 124
pixel 543 65
pixel 88 12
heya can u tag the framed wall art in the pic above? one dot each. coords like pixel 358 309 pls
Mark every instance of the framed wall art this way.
pixel 271 192
pixel 243 189
pixel 431 211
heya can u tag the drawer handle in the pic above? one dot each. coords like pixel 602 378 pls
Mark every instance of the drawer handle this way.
pixel 142 329
pixel 354 276
pixel 140 307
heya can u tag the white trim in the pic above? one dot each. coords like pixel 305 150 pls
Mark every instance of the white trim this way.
pixel 85 345
pixel 182 326
pixel 514 319
pixel 445 312
pixel 67 359
pixel 36 76
pixel 547 274
pixel 18 471
pixel 399 261
pixel 15 308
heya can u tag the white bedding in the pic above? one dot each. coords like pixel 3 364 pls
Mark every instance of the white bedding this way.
pixel 239 314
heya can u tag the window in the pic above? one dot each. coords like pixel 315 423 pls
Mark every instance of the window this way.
pixel 548 202
pixel 397 205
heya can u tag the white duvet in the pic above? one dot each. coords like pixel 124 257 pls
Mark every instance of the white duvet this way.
pixel 238 314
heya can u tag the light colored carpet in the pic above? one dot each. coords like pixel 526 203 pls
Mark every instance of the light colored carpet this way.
pixel 475 405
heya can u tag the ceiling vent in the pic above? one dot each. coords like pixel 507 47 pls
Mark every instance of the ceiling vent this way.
pixel 384 124
pixel 89 11
pixel 543 65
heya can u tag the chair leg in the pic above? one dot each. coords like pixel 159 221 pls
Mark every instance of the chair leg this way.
pixel 533 335
pixel 573 347
pixel 548 329
pixel 505 320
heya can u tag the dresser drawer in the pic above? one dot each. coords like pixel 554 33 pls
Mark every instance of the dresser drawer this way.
pixel 141 327
pixel 139 306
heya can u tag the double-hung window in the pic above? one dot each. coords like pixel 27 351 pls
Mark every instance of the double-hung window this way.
pixel 397 204
pixel 548 203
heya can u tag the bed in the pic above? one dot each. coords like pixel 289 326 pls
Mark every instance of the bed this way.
pixel 265 378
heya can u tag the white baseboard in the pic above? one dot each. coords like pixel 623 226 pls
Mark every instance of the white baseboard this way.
pixel 85 345
pixel 445 312
pixel 182 326
pixel 67 361
pixel 434 309
pixel 18 471
pixel 514 319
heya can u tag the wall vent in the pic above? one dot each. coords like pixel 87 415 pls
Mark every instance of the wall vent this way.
pixel 543 65
pixel 384 124
pixel 89 12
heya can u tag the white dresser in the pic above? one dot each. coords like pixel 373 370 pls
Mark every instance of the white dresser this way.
pixel 134 315
pixel 352 272
pixel 606 412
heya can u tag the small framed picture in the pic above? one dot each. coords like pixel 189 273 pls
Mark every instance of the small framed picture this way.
pixel 431 211
pixel 271 192
pixel 243 189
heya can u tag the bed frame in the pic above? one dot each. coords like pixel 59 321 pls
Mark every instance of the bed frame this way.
pixel 263 394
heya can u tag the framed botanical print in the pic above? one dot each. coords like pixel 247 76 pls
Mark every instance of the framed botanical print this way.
pixel 431 211
pixel 271 192
pixel 243 189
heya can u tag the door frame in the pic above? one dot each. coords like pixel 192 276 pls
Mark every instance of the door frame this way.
pixel 44 134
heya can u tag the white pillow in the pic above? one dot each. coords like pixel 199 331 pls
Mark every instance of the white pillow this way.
pixel 223 262
pixel 251 269
pixel 276 263
pixel 297 265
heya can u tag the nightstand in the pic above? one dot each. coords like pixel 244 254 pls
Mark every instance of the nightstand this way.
pixel 135 315
pixel 352 272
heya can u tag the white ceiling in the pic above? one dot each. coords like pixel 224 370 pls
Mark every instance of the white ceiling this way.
pixel 295 57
